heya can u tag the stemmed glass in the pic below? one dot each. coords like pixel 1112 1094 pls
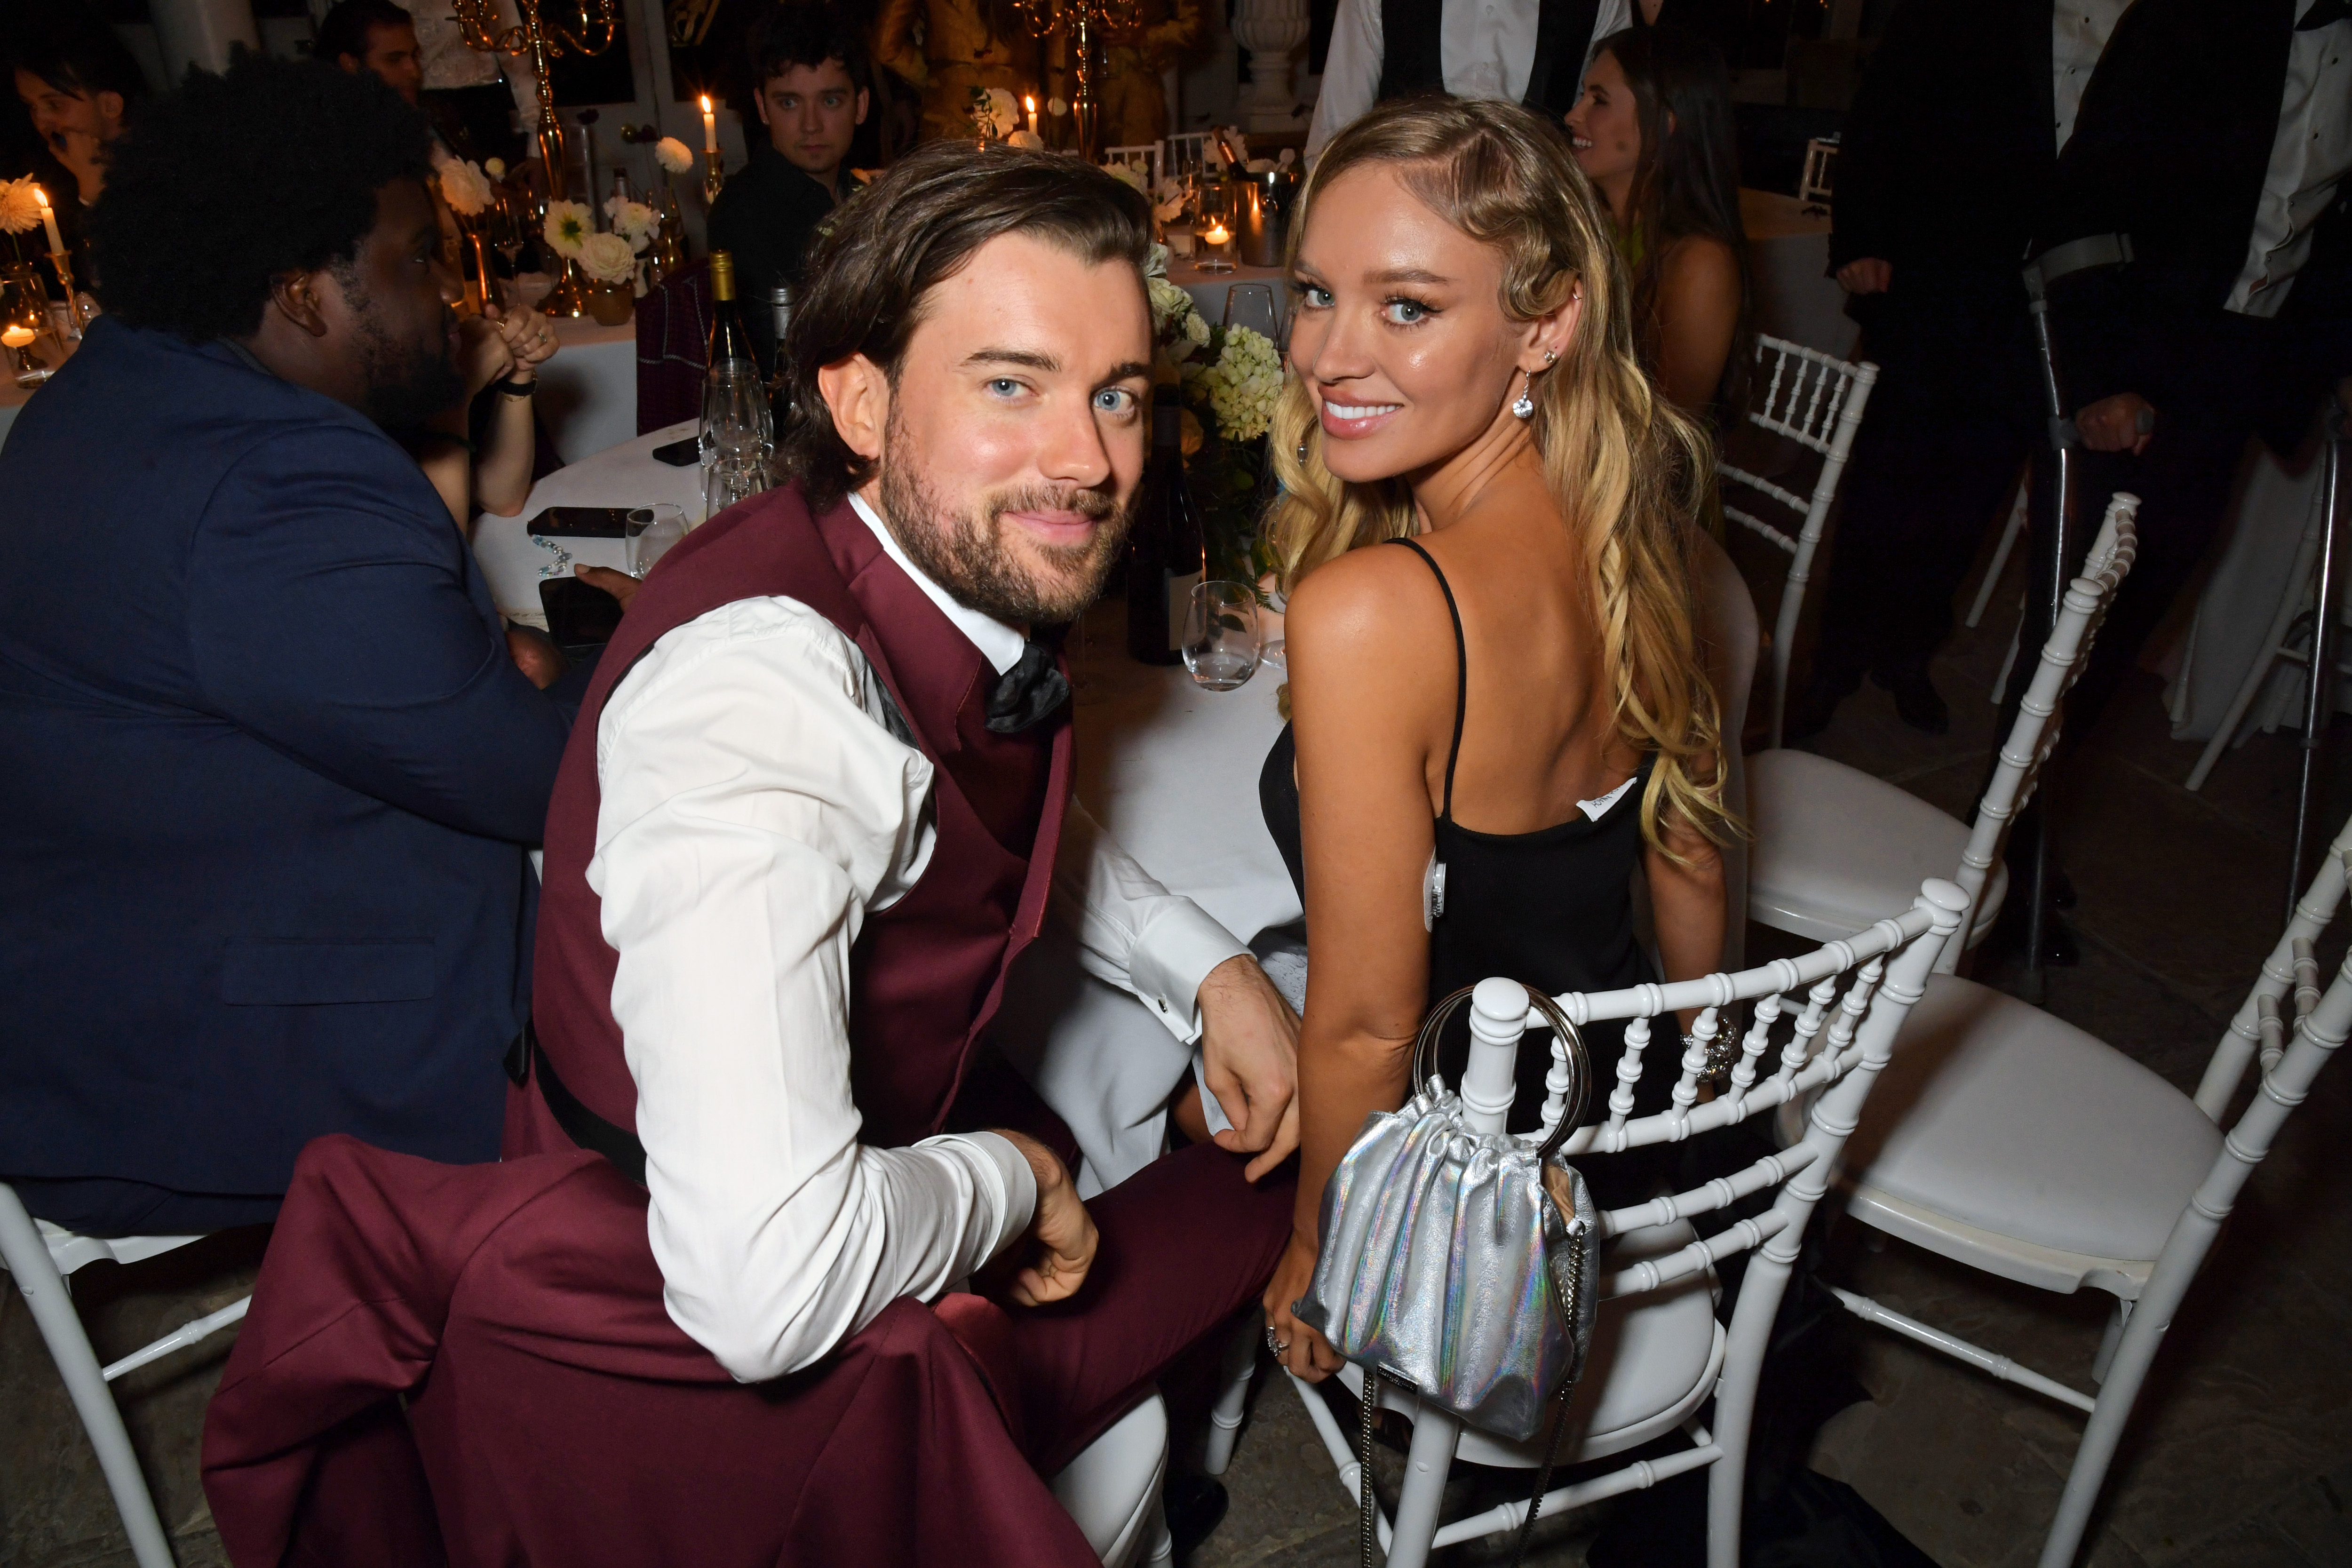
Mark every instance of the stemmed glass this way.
pixel 1220 649
pixel 503 225
pixel 651 531
pixel 1251 305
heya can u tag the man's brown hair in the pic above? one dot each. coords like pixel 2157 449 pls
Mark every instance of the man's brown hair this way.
pixel 908 231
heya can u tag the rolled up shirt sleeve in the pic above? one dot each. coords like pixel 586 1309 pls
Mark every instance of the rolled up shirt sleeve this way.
pixel 1132 932
pixel 754 810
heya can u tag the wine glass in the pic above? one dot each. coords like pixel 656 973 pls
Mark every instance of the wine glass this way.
pixel 1251 305
pixel 651 531
pixel 502 223
pixel 1221 635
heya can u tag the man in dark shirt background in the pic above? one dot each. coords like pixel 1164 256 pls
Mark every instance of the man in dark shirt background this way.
pixel 811 79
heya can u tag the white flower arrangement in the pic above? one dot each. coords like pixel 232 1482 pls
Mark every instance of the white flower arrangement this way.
pixel 466 188
pixel 1241 384
pixel 568 226
pixel 995 112
pixel 607 259
pixel 495 168
pixel 20 209
pixel 1026 138
pixel 1131 176
pixel 633 221
pixel 673 156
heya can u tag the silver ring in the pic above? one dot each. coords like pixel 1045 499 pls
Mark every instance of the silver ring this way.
pixel 1279 1347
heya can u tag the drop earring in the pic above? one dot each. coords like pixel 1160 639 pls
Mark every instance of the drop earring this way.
pixel 1526 405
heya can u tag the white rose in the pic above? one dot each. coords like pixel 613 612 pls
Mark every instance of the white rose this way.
pixel 1196 327
pixel 672 155
pixel 607 259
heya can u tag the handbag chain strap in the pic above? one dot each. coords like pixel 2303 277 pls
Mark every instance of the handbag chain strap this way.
pixel 1368 1504
pixel 1580 1060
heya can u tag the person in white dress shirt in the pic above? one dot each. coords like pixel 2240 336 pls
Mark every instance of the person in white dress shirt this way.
pixel 1524 51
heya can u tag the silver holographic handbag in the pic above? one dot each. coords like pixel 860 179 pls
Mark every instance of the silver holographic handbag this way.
pixel 1462 1263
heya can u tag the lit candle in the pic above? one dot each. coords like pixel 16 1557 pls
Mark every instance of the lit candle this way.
pixel 17 337
pixel 1029 104
pixel 709 127
pixel 1216 233
pixel 48 219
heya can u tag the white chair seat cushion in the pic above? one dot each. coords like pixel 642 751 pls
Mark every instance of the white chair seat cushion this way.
pixel 1835 849
pixel 1110 1487
pixel 1653 1360
pixel 2013 1122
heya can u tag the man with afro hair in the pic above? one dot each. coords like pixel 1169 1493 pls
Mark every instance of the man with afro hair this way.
pixel 273 765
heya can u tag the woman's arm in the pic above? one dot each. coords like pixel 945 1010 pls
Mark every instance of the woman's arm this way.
pixel 1698 316
pixel 1372 691
pixel 502 466
pixel 1687 902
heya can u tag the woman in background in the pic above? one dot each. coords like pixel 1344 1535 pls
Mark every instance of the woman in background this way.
pixel 1653 135
pixel 1498 719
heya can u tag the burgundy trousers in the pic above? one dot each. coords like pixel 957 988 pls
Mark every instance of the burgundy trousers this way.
pixel 554 1414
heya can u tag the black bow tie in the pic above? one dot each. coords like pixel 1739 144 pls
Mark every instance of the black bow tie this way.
pixel 2321 13
pixel 1033 689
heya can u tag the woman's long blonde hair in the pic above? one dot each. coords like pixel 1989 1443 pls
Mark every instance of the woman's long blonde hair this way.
pixel 1621 464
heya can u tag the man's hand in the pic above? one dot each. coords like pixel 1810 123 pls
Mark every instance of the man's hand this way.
pixel 2119 424
pixel 483 356
pixel 1249 1043
pixel 530 337
pixel 620 585
pixel 1061 1229
pixel 535 655
pixel 1868 275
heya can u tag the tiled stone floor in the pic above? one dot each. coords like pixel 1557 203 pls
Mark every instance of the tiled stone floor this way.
pixel 2240 1457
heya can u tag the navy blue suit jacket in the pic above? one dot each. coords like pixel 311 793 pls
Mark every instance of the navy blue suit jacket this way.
pixel 267 778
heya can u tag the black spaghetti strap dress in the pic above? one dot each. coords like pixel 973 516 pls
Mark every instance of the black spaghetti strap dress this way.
pixel 1553 907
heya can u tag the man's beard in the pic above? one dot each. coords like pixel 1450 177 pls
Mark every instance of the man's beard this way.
pixel 966 554
pixel 406 386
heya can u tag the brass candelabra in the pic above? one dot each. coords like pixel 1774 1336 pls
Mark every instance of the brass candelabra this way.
pixel 1086 23
pixel 544 39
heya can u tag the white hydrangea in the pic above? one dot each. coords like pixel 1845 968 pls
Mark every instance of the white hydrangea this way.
pixel 1241 384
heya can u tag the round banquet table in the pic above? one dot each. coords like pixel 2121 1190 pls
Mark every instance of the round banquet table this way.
pixel 1792 295
pixel 1169 770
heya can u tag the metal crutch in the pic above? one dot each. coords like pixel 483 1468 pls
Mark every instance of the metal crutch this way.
pixel 2319 685
pixel 2044 604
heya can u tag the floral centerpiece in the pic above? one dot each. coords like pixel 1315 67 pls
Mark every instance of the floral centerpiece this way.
pixel 1230 377
pixel 996 114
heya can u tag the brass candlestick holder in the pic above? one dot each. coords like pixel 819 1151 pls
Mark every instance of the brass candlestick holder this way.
pixel 76 317
pixel 543 40
pixel 1087 22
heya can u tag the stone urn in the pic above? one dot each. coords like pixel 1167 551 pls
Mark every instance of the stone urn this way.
pixel 1272 31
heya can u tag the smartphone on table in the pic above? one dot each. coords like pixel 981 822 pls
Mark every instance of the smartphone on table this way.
pixel 581 523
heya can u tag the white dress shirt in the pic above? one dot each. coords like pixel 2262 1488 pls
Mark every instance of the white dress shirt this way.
pixel 2313 152
pixel 1485 49
pixel 2079 31
pixel 755 808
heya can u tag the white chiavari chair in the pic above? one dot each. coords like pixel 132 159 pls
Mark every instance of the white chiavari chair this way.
pixel 1112 1490
pixel 1658 1353
pixel 1819 180
pixel 2010 531
pixel 40 1256
pixel 2006 1139
pixel 1188 151
pixel 1816 401
pixel 1150 157
pixel 1835 847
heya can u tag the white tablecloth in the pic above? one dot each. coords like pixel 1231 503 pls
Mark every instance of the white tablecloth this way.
pixel 1170 770
pixel 588 391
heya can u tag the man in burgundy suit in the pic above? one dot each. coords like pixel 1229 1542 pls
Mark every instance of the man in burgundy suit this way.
pixel 754 1285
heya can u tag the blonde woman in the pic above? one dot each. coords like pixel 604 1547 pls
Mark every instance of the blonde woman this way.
pixel 1507 687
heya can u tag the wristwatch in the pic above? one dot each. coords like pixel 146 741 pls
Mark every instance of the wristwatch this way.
pixel 512 388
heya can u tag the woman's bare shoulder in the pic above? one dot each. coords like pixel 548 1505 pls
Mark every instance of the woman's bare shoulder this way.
pixel 1699 261
pixel 1367 601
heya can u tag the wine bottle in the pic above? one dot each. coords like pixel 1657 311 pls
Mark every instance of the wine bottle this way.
pixel 1164 549
pixel 730 339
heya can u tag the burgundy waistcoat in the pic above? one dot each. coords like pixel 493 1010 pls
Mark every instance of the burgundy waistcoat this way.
pixel 925 975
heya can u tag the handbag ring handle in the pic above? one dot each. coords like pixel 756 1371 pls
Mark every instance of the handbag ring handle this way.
pixel 1580 1060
